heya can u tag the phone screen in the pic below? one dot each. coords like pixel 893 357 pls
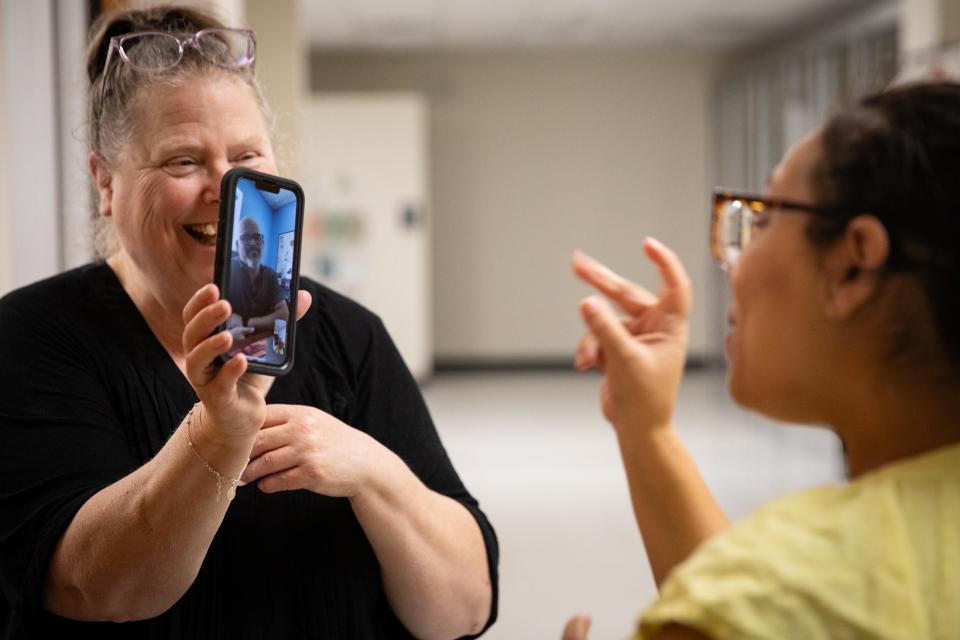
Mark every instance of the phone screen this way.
pixel 259 270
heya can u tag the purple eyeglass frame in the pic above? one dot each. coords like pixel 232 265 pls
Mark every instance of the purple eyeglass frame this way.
pixel 116 42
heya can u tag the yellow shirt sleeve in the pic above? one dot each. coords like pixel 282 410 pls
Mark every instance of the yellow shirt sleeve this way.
pixel 833 562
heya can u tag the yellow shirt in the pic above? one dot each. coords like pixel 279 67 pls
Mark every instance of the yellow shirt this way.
pixel 878 558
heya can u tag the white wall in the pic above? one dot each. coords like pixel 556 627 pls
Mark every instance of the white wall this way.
pixel 361 210
pixel 927 23
pixel 4 232
pixel 280 69
pixel 534 155
pixel 32 178
pixel 75 204
pixel 44 192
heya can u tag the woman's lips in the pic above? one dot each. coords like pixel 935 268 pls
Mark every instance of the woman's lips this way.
pixel 205 234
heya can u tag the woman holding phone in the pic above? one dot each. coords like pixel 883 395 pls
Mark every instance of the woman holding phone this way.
pixel 141 484
pixel 844 276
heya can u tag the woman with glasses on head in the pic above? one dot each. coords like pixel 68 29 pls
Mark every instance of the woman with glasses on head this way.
pixel 138 483
pixel 844 278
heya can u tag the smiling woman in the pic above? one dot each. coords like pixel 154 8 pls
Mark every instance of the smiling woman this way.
pixel 139 482
pixel 169 182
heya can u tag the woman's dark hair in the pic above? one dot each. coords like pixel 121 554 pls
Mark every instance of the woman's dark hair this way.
pixel 115 91
pixel 896 155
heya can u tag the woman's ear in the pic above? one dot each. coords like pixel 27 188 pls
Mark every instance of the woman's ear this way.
pixel 853 266
pixel 103 179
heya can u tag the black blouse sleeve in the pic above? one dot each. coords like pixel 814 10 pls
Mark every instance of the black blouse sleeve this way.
pixel 391 408
pixel 59 442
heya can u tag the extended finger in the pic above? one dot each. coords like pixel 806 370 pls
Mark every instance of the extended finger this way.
pixel 612 336
pixel 628 295
pixel 204 322
pixel 199 360
pixel 270 462
pixel 577 627
pixel 676 283
pixel 208 350
pixel 205 296
pixel 588 353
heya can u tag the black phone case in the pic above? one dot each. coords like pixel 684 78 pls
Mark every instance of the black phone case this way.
pixel 221 273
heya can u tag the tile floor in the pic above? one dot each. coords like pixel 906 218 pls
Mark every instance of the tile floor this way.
pixel 536 452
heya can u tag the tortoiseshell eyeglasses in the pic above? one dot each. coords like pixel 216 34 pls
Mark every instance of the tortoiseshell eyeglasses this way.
pixel 736 215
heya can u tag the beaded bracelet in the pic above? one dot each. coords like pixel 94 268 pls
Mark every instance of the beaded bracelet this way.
pixel 222 480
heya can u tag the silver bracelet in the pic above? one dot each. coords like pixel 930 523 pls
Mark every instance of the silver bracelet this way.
pixel 222 480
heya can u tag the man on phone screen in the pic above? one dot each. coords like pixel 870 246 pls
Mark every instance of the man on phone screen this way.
pixel 254 293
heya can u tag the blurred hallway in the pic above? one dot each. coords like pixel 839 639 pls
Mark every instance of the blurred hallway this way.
pixel 536 452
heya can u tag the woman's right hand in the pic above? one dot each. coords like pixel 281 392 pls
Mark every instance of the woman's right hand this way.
pixel 642 356
pixel 233 404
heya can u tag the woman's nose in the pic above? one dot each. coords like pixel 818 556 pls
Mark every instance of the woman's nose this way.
pixel 216 170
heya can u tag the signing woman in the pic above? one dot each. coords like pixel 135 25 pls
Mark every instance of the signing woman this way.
pixel 844 276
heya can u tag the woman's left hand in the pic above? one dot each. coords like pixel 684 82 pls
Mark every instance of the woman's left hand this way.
pixel 301 447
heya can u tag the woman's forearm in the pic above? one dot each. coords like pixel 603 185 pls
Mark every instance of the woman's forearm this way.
pixel 431 554
pixel 135 547
pixel 673 506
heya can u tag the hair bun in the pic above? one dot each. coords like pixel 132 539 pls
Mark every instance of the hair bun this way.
pixel 100 42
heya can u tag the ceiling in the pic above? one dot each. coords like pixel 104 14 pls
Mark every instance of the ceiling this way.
pixel 703 25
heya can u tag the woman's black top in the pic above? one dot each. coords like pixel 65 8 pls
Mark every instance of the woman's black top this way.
pixel 88 394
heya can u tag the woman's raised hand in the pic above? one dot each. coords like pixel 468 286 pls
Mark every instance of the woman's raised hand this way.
pixel 229 407
pixel 233 400
pixel 642 355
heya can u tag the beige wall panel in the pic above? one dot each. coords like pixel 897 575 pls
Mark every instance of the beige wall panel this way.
pixel 534 155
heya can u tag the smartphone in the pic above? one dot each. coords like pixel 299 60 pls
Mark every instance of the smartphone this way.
pixel 258 266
